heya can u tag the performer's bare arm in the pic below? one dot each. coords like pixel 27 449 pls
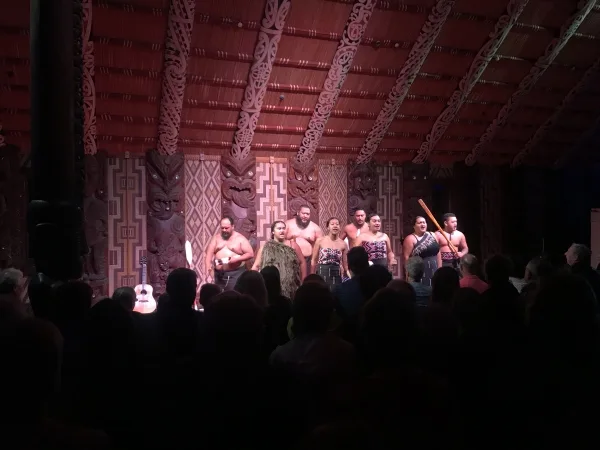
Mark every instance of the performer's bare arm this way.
pixel 318 232
pixel 300 258
pixel 315 256
pixel 248 252
pixel 258 258
pixel 210 254
pixel 345 260
pixel 439 258
pixel 407 246
pixel 463 248
pixel 390 254
pixel 343 233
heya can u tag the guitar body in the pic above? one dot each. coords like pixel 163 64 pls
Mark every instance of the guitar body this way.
pixel 144 302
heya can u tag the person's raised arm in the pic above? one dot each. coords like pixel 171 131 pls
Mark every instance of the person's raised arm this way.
pixel 257 260
pixel 407 247
pixel 463 248
pixel 248 252
pixel 390 253
pixel 315 255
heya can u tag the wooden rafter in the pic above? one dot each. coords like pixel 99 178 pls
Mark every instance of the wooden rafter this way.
pixel 419 52
pixel 541 132
pixel 89 88
pixel 338 71
pixel 470 79
pixel 177 49
pixel 527 83
pixel 276 12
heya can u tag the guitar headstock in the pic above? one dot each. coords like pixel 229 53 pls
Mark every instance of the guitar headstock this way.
pixel 143 261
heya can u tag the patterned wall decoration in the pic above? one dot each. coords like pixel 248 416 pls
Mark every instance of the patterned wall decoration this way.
pixel 389 207
pixel 491 220
pixel 202 207
pixel 271 194
pixel 126 220
pixel 333 191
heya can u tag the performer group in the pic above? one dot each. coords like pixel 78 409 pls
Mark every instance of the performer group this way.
pixel 299 247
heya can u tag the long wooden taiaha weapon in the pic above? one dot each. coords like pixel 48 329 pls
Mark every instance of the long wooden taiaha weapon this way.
pixel 451 246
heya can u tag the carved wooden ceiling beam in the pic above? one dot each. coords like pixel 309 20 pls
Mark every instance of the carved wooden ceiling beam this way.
pixel 89 87
pixel 276 12
pixel 470 79
pixel 177 49
pixel 429 33
pixel 536 72
pixel 541 132
pixel 401 6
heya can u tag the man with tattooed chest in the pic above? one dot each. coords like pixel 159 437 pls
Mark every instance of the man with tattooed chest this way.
pixel 305 232
pixel 227 254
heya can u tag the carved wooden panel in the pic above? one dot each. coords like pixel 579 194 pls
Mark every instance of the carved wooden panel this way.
pixel 95 210
pixel 202 207
pixel 238 190
pixel 362 187
pixel 127 220
pixel 389 208
pixel 166 225
pixel 303 186
pixel 271 194
pixel 333 195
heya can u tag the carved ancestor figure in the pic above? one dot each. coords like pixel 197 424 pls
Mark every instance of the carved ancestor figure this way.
pixel 238 189
pixel 95 210
pixel 13 205
pixel 166 225
pixel 362 187
pixel 303 187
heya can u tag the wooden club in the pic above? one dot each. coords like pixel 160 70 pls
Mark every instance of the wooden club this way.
pixel 451 246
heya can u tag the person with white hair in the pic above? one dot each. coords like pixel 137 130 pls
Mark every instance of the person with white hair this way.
pixel 12 281
pixel 579 257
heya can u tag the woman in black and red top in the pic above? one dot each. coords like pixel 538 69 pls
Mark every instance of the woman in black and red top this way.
pixel 329 255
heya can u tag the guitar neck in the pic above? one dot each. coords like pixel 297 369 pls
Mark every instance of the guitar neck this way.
pixel 143 274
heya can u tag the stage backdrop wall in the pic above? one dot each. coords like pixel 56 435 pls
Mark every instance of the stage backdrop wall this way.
pixel 202 207
pixel 126 220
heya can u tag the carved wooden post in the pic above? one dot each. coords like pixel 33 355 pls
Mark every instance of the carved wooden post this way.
pixel 95 202
pixel 238 169
pixel 166 224
pixel 164 166
pixel 362 187
pixel 54 216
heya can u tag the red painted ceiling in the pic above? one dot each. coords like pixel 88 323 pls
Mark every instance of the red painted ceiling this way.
pixel 128 41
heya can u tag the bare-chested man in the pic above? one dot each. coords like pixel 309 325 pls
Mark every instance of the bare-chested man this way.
pixel 355 228
pixel 305 232
pixel 226 255
pixel 458 240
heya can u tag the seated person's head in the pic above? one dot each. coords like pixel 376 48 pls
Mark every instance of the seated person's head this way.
pixel 402 288
pixel 181 287
pixel 444 284
pixel 415 268
pixel 272 279
pixel 498 269
pixel 72 301
pixel 12 281
pixel 125 296
pixel 373 279
pixel 469 265
pixel 312 309
pixel 252 283
pixel 208 292
pixel 358 260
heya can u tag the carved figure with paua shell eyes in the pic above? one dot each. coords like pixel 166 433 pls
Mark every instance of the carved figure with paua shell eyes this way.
pixel 303 186
pixel 166 226
pixel 238 189
pixel 362 187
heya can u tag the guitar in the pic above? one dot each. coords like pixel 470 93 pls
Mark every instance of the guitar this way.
pixel 145 302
